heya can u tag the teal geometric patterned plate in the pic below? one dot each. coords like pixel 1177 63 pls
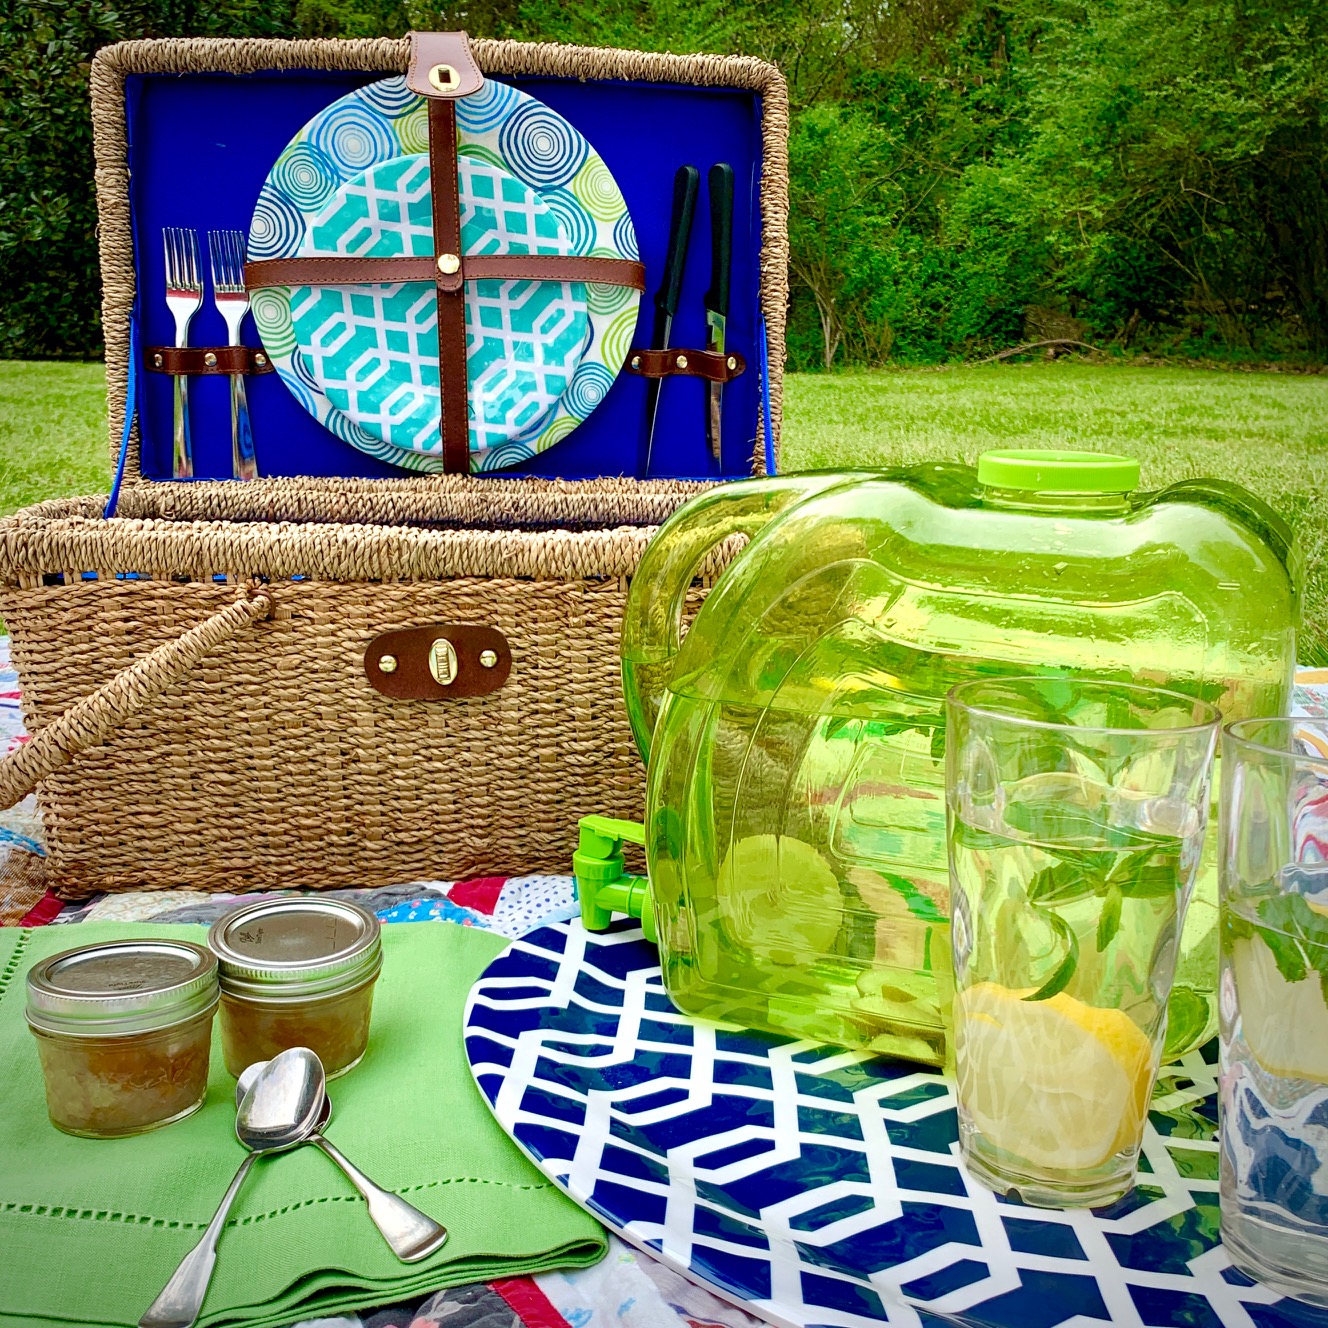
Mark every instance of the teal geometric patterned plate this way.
pixel 363 359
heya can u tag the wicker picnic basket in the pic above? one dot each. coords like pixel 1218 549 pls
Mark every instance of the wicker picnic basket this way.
pixel 194 667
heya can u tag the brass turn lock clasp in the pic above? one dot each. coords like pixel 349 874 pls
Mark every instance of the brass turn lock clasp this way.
pixel 443 661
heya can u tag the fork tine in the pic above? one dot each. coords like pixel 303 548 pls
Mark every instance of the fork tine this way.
pixel 168 239
pixel 195 266
pixel 237 250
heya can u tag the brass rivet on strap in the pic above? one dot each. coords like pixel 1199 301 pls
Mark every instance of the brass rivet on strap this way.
pixel 488 658
pixel 260 359
pixel 732 361
pixel 157 361
pixel 681 361
pixel 448 264
pixel 210 360
pixel 444 78
pixel 636 361
pixel 388 664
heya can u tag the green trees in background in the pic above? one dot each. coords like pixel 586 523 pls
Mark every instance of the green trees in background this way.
pixel 965 175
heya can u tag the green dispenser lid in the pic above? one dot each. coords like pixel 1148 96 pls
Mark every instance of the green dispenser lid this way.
pixel 1048 471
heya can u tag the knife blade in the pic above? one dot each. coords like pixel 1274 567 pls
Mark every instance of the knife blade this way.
pixel 720 187
pixel 686 184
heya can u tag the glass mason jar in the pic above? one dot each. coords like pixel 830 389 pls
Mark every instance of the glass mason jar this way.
pixel 296 972
pixel 124 1032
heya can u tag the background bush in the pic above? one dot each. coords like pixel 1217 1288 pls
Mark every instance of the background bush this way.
pixel 1146 174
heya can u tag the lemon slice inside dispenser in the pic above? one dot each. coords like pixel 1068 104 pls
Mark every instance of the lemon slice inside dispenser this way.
pixel 779 899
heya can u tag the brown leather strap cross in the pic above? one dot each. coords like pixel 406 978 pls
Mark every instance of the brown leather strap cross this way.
pixel 331 271
pixel 442 69
pixel 454 418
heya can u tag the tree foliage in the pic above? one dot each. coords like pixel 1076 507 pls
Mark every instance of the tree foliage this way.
pixel 1149 172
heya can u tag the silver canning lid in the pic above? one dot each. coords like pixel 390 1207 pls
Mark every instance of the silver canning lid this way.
pixel 284 949
pixel 121 987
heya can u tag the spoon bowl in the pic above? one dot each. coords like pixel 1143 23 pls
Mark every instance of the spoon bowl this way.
pixel 246 1081
pixel 281 1106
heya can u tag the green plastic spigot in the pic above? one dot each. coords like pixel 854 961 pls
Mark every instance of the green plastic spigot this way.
pixel 602 885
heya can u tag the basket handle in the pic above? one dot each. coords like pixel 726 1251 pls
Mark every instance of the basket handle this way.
pixel 91 720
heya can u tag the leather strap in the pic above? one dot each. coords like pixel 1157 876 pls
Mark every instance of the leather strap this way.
pixel 436 55
pixel 675 361
pixel 477 267
pixel 437 663
pixel 206 360
pixel 454 415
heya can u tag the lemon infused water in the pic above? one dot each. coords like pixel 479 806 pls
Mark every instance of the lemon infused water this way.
pixel 796 738
pixel 1274 1004
pixel 1077 813
pixel 1063 986
pixel 1275 1096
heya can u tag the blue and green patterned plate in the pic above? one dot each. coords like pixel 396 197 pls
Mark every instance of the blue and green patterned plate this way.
pixel 363 359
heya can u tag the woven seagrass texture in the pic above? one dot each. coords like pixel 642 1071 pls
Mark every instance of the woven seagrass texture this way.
pixel 426 500
pixel 202 55
pixel 273 763
pixel 251 751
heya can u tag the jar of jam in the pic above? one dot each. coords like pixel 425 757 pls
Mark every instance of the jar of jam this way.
pixel 296 972
pixel 124 1032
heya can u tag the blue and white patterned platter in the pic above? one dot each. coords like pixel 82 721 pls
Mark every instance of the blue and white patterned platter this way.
pixel 363 360
pixel 823 1187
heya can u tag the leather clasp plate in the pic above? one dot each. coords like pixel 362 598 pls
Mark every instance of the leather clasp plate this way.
pixel 446 660
pixel 441 65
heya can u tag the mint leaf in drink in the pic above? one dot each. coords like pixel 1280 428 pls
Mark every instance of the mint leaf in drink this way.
pixel 1054 821
pixel 1059 884
pixel 1065 969
pixel 1149 875
pixel 1108 923
pixel 1298 937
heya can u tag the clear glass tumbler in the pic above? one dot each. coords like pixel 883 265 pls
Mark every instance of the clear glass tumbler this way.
pixel 1076 814
pixel 1273 1003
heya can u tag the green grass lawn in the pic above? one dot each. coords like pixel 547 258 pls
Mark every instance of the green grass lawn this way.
pixel 1267 431
pixel 52 432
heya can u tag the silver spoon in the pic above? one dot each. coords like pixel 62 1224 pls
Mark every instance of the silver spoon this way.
pixel 410 1234
pixel 279 1111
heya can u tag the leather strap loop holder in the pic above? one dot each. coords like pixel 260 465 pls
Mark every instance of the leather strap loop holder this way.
pixel 204 360
pixel 675 361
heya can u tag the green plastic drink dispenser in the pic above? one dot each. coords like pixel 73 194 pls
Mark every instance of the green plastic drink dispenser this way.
pixel 795 831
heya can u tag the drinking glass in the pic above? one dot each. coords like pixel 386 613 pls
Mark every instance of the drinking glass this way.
pixel 1271 1002
pixel 1076 812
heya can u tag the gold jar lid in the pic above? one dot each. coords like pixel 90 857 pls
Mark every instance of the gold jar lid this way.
pixel 292 948
pixel 117 988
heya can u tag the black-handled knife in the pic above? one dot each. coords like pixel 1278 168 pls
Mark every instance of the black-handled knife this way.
pixel 720 185
pixel 686 184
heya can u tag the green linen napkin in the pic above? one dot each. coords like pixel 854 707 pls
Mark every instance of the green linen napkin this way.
pixel 90 1230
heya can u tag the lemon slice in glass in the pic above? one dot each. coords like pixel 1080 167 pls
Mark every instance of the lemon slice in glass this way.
pixel 1061 1084
pixel 1285 1023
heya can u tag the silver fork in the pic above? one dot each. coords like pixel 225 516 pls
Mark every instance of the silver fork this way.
pixel 184 295
pixel 226 249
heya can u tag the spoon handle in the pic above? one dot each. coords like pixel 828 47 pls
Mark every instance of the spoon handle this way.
pixel 411 1234
pixel 181 1298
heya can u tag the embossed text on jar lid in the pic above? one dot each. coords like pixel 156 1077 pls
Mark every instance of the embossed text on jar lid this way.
pixel 121 987
pixel 279 949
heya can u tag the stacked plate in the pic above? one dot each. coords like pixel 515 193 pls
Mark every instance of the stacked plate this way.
pixel 363 360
